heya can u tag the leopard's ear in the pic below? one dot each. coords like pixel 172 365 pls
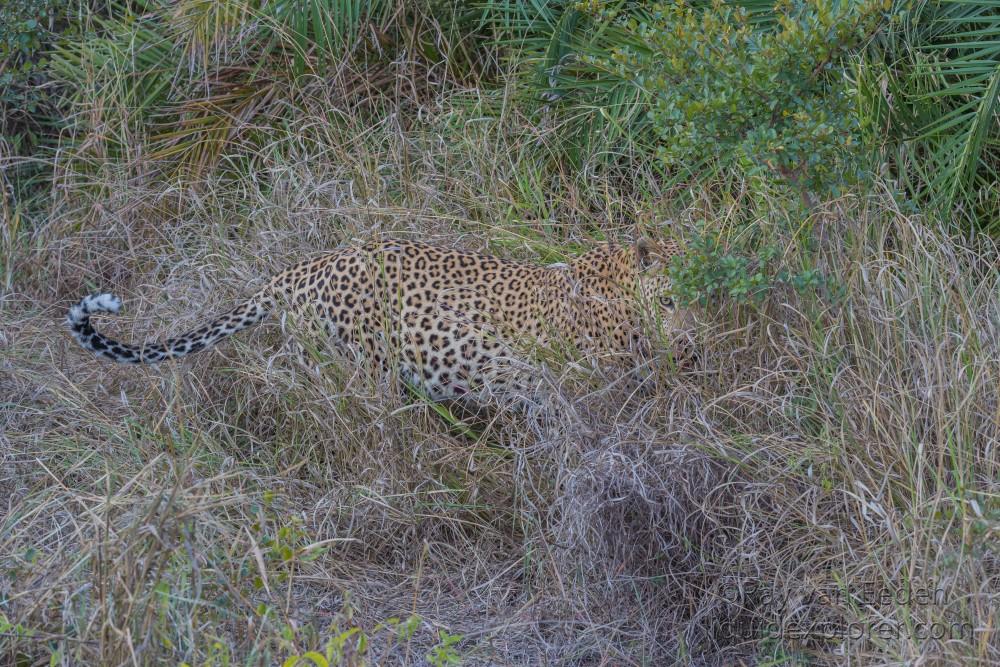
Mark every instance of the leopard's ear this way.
pixel 645 253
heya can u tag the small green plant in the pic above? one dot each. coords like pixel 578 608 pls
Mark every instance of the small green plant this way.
pixel 284 541
pixel 709 270
pixel 445 654
pixel 13 629
pixel 349 647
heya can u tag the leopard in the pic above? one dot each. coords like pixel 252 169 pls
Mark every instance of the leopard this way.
pixel 453 323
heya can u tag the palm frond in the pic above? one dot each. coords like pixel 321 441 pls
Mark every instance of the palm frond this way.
pixel 188 77
pixel 942 82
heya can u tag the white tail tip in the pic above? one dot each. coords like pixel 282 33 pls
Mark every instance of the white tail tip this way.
pixel 96 303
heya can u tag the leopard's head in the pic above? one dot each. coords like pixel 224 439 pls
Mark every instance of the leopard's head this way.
pixel 652 264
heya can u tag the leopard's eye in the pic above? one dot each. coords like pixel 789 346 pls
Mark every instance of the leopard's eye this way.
pixel 666 302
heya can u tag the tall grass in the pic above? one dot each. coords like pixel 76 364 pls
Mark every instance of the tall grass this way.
pixel 825 458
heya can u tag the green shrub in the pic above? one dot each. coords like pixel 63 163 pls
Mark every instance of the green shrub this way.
pixel 711 269
pixel 27 27
pixel 772 103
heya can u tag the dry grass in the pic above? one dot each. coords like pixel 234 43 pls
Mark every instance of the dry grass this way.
pixel 825 458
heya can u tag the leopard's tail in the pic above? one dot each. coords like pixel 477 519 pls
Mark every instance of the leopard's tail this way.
pixel 247 314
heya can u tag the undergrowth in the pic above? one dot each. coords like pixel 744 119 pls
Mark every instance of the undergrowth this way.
pixel 817 486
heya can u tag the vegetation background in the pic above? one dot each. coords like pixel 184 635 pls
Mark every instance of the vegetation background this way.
pixel 820 486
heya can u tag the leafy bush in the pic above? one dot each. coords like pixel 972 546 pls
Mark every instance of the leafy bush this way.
pixel 27 29
pixel 772 103
pixel 746 272
pixel 709 269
